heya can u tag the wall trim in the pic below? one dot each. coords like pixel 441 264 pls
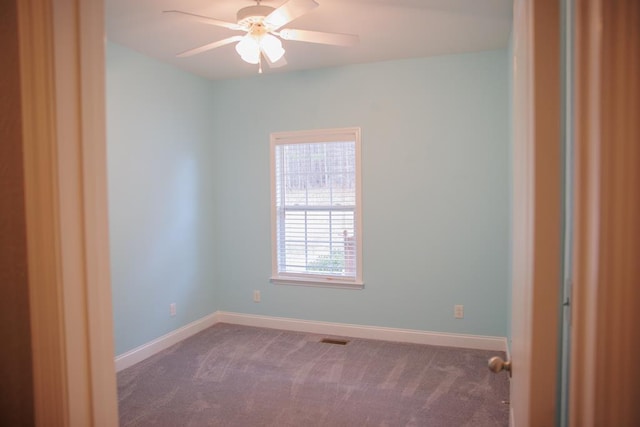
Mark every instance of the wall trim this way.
pixel 478 342
pixel 147 350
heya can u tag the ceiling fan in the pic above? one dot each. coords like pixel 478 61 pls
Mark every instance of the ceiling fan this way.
pixel 263 28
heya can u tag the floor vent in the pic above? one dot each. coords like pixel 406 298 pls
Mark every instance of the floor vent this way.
pixel 334 341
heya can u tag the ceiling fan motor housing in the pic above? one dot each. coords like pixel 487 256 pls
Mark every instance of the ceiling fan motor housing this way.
pixel 253 14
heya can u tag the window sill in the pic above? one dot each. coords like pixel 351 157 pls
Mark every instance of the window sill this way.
pixel 319 282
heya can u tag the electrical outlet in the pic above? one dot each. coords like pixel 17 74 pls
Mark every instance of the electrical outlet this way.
pixel 256 296
pixel 458 311
pixel 172 309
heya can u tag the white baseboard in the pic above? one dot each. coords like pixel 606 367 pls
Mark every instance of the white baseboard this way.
pixel 144 351
pixel 367 332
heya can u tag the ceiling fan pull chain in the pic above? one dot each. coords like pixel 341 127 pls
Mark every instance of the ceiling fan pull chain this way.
pixel 260 64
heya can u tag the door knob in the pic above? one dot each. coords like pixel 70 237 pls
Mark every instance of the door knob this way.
pixel 496 364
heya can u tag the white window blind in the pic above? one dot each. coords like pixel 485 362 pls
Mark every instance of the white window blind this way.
pixel 316 206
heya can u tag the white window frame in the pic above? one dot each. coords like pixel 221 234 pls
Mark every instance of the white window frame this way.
pixel 309 279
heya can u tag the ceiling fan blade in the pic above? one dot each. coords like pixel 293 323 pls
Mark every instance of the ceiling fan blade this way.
pixel 206 20
pixel 288 12
pixel 319 37
pixel 209 46
pixel 279 63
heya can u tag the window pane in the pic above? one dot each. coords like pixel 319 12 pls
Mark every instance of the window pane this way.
pixel 315 197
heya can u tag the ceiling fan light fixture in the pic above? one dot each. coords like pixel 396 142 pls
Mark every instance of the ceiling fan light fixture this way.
pixel 272 47
pixel 249 49
pixel 251 46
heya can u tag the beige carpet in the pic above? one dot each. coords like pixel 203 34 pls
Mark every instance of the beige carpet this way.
pixel 231 375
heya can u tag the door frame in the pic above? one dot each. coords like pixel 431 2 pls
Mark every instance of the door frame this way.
pixel 605 375
pixel 62 71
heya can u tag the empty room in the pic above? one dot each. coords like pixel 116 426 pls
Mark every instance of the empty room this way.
pixel 360 192
pixel 319 213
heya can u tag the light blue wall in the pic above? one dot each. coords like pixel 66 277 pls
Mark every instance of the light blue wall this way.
pixel 435 190
pixel 190 195
pixel 161 196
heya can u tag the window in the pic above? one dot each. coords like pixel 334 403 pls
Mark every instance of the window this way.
pixel 316 207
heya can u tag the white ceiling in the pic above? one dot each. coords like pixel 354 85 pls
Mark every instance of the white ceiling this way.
pixel 388 29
